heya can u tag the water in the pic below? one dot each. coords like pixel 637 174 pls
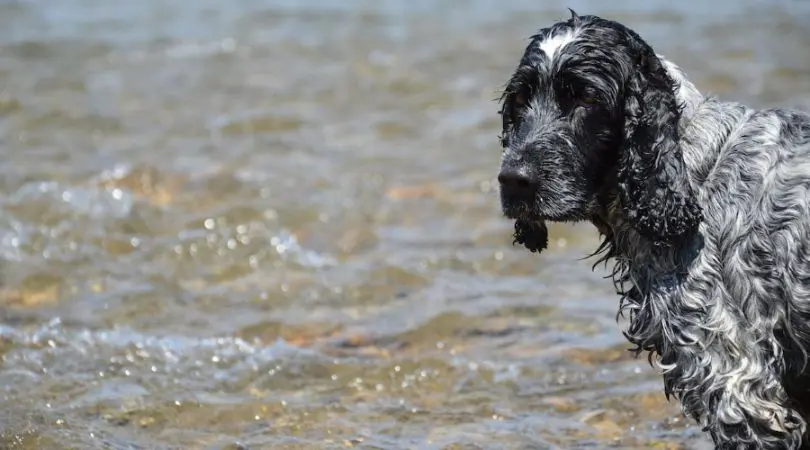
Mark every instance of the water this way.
pixel 273 224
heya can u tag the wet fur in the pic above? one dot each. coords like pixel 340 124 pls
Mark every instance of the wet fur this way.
pixel 704 208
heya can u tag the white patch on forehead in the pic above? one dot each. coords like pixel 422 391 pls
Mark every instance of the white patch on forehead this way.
pixel 552 44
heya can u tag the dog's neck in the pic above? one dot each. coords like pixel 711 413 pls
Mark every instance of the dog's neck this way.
pixel 705 124
pixel 638 261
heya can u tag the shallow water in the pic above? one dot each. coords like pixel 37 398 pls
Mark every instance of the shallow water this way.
pixel 274 225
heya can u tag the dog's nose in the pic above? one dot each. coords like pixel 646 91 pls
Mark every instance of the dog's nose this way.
pixel 516 182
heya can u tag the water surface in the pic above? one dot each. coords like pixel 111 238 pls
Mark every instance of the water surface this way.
pixel 273 224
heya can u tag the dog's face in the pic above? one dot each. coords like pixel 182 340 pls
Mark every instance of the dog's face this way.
pixel 562 122
pixel 565 114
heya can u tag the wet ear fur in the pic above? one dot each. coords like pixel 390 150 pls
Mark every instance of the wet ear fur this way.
pixel 654 187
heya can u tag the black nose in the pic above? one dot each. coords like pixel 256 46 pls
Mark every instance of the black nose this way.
pixel 517 183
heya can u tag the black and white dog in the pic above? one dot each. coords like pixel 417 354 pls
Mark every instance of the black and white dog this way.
pixel 704 208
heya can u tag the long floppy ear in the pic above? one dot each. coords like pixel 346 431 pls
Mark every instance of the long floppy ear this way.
pixel 654 186
pixel 532 234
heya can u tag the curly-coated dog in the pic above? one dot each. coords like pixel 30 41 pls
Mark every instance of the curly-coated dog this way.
pixel 703 205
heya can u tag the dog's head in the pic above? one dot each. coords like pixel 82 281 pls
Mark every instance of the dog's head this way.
pixel 590 114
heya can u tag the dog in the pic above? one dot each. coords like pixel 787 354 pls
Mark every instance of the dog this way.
pixel 703 207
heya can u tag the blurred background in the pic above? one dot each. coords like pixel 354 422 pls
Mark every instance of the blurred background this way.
pixel 273 224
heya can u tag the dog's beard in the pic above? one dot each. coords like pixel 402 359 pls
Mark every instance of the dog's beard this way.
pixel 519 209
pixel 532 234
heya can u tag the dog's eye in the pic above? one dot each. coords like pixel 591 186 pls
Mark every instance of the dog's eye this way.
pixel 579 96
pixel 587 101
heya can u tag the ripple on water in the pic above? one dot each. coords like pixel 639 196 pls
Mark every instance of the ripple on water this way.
pixel 297 390
pixel 276 225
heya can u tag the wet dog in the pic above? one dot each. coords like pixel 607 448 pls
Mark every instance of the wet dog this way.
pixel 704 210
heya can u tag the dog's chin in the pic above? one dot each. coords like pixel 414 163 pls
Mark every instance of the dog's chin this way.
pixel 521 215
pixel 530 227
pixel 531 234
pixel 520 210
pixel 526 214
pixel 530 223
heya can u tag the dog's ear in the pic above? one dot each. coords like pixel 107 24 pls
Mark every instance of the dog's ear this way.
pixel 531 234
pixel 654 188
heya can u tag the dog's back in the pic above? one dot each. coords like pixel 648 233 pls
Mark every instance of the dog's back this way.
pixel 750 170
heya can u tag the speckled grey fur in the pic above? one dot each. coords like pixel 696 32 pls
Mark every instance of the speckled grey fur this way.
pixel 723 307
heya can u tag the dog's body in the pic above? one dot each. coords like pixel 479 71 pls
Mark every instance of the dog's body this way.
pixel 705 210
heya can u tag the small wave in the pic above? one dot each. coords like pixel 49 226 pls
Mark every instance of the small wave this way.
pixel 127 347
pixel 90 202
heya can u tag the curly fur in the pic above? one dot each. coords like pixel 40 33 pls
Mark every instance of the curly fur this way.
pixel 704 208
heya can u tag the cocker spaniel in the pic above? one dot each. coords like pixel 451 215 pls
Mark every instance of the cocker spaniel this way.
pixel 704 208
